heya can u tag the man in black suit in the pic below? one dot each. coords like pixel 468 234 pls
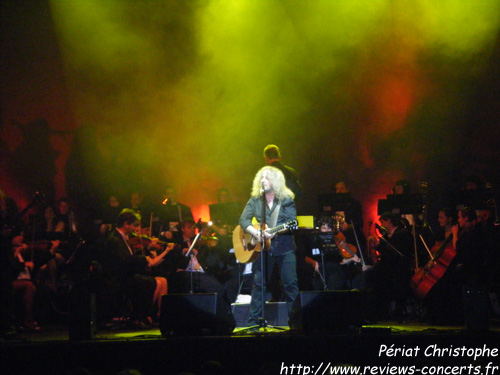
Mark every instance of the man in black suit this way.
pixel 273 158
pixel 128 273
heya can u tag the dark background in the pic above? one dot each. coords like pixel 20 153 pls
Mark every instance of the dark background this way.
pixel 109 97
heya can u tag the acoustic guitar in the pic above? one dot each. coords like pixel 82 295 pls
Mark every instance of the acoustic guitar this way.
pixel 246 246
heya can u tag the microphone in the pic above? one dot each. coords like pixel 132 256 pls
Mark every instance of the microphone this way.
pixel 261 188
pixel 382 230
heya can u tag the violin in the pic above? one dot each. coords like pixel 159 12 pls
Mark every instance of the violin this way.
pixel 140 243
pixel 346 249
pixel 209 241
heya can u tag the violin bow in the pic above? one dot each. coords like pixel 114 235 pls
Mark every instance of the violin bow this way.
pixel 359 247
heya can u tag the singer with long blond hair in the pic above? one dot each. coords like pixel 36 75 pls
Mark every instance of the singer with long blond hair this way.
pixel 271 197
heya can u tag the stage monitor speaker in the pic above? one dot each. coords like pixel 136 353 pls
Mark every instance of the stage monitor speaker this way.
pixel 334 311
pixel 194 315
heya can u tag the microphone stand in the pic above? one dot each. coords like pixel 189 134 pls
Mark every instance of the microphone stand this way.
pixel 263 264
pixel 363 264
pixel 263 272
pixel 323 273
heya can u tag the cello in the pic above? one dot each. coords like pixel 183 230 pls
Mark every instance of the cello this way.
pixel 426 277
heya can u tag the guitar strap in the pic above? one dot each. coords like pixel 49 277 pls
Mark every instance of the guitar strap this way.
pixel 274 216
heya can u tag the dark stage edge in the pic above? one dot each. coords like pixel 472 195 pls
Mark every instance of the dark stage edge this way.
pixel 52 352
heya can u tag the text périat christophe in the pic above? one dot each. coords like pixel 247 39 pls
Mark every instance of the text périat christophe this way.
pixel 436 351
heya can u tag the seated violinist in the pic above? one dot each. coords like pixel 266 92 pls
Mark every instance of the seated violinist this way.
pixel 181 259
pixel 352 210
pixel 335 262
pixel 54 238
pixel 128 273
pixel 44 235
pixel 24 288
pixel 171 214
pixel 188 270
pixel 143 244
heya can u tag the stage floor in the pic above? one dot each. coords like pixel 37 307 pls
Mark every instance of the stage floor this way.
pixel 271 352
pixel 56 332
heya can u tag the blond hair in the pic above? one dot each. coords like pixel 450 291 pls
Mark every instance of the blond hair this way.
pixel 278 180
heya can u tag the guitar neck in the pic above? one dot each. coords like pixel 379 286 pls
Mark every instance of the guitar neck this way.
pixel 279 228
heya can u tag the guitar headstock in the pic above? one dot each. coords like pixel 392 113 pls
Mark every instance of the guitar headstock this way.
pixel 292 225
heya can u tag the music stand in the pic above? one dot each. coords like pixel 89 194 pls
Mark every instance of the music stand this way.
pixel 330 203
pixel 322 240
pixel 400 204
pixel 190 254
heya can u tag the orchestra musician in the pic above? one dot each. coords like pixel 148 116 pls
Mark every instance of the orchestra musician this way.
pixel 9 223
pixel 489 223
pixel 272 156
pixel 444 301
pixel 350 220
pixel 127 272
pixel 354 213
pixel 392 272
pixel 23 286
pixel 110 212
pixel 219 225
pixel 342 264
pixel 277 196
pixel 468 244
pixel 172 213
pixel 46 237
pixel 224 195
pixel 137 204
pixel 66 216
pixel 66 236
pixel 9 216
pixel 18 283
pixel 219 237
pixel 446 220
pixel 181 265
pixel 189 270
pixel 327 265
